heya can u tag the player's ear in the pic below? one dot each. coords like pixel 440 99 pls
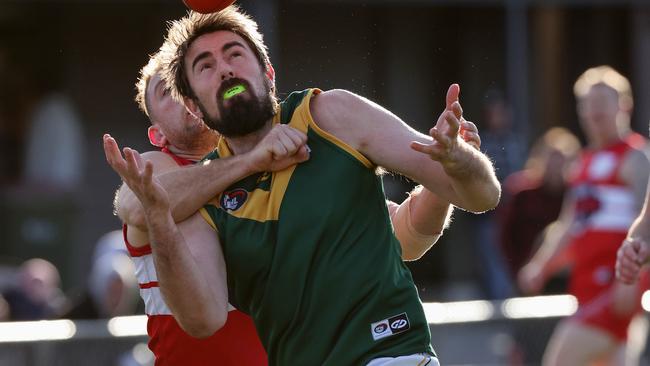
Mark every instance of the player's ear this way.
pixel 156 136
pixel 270 73
pixel 193 107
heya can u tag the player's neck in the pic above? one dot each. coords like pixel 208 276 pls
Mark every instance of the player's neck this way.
pixel 194 155
pixel 244 144
pixel 603 141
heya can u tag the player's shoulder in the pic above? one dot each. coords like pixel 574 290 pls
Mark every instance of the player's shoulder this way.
pixel 335 105
pixel 635 165
pixel 161 161
pixel 635 157
pixel 334 99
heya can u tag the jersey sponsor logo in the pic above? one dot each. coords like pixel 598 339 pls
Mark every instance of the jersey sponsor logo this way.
pixel 586 202
pixel 381 328
pixel 399 323
pixel 391 326
pixel 233 200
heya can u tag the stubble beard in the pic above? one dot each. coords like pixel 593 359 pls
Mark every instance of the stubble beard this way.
pixel 244 115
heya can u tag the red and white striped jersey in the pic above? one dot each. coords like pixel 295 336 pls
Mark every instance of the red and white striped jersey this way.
pixel 605 207
pixel 235 344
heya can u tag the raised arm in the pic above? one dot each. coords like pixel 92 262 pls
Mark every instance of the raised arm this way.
pixel 442 162
pixel 419 221
pixel 195 289
pixel 552 254
pixel 421 218
pixel 127 206
pixel 190 187
pixel 634 252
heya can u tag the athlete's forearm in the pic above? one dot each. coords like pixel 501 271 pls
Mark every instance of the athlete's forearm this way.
pixel 419 222
pixel 640 228
pixel 189 188
pixel 430 214
pixel 184 287
pixel 472 177
pixel 553 254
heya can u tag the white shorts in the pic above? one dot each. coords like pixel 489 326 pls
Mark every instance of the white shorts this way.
pixel 418 359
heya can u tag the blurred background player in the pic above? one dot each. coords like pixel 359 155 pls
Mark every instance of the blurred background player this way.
pixel 111 289
pixel 506 149
pixel 607 185
pixel 533 196
pixel 37 292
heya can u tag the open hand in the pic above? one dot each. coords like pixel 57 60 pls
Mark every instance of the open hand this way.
pixel 446 131
pixel 469 133
pixel 136 174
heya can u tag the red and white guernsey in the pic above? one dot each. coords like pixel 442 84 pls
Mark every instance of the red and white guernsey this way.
pixel 236 344
pixel 605 207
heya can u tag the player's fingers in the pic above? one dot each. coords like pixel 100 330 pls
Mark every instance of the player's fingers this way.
pixel 147 174
pixel 630 252
pixel 473 139
pixel 457 109
pixel 289 144
pixel 131 164
pixel 643 254
pixel 442 139
pixel 431 150
pixel 452 95
pixel 628 263
pixel 279 150
pixel 454 124
pixel 468 126
pixel 138 159
pixel 113 154
pixel 634 243
pixel 297 136
pixel 111 149
pixel 301 155
pixel 625 253
pixel 626 275
pixel 423 148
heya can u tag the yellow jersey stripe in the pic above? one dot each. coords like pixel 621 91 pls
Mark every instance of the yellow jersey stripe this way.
pixel 304 111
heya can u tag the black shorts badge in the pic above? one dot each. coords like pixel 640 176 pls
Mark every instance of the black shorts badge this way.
pixel 233 200
pixel 399 323
pixel 391 326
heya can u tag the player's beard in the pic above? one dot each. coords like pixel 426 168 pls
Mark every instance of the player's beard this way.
pixel 244 114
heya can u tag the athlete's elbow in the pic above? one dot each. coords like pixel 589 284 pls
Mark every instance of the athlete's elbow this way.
pixel 489 200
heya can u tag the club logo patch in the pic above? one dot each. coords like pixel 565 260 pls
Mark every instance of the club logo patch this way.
pixel 391 326
pixel 233 200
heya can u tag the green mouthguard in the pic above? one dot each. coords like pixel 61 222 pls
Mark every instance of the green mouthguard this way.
pixel 233 91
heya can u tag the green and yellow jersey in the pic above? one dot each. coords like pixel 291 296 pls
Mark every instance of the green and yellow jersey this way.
pixel 312 257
